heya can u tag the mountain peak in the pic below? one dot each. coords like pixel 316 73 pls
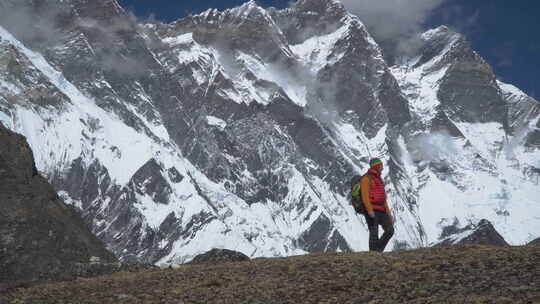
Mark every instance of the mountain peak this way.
pixel 250 8
pixel 104 10
pixel 442 31
pixel 482 233
pixel 250 4
pixel 320 6
pixel 437 43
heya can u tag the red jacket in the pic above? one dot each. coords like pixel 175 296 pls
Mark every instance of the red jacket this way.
pixel 375 196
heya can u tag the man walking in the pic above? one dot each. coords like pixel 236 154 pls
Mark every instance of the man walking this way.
pixel 376 206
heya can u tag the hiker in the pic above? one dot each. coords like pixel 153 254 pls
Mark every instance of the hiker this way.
pixel 369 190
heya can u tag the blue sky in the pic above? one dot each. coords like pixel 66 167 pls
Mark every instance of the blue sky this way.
pixel 505 33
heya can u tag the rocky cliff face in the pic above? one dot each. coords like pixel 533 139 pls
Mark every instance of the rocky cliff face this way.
pixel 482 233
pixel 476 153
pixel 41 238
pixel 535 242
pixel 240 129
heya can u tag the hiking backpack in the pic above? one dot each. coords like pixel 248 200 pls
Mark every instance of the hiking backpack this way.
pixel 356 194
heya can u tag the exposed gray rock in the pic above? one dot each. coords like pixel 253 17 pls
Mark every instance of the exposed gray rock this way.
pixel 149 180
pixel 175 176
pixel 535 242
pixel 41 238
pixel 482 233
pixel 217 256
pixel 322 238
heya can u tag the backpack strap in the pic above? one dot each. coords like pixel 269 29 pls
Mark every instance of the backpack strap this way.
pixel 370 179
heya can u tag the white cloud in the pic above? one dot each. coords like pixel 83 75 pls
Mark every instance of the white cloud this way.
pixel 395 21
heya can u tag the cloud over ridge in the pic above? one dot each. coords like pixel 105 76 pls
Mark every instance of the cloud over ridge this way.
pixel 395 22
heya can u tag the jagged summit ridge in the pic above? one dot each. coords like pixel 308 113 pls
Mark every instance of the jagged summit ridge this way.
pixel 454 94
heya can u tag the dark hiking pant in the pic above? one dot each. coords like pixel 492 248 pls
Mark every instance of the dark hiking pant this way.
pixel 381 218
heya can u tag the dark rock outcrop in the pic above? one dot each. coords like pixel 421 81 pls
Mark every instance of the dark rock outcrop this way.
pixel 41 238
pixel 322 238
pixel 216 256
pixel 482 233
pixel 535 242
pixel 149 180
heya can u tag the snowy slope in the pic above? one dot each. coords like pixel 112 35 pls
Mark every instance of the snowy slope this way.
pixel 69 133
pixel 480 173
pixel 103 137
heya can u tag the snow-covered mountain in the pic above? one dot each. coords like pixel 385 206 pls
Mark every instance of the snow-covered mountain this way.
pixel 241 129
